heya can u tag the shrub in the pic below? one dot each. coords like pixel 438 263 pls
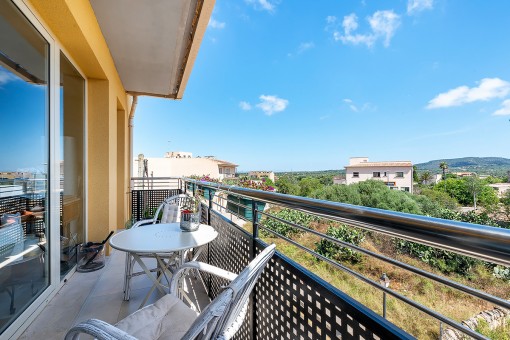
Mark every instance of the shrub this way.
pixel 293 216
pixel 337 252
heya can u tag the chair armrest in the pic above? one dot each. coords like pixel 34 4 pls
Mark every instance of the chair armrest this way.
pixel 99 330
pixel 204 267
pixel 143 222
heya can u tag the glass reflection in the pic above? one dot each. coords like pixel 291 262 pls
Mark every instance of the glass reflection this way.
pixel 24 148
pixel 72 94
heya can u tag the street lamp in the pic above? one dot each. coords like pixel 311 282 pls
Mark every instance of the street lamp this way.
pixel 385 282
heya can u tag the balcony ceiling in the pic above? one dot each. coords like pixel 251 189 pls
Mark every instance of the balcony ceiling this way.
pixel 153 43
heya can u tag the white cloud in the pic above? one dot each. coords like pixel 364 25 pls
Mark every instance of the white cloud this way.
pixel 504 110
pixel 272 104
pixel 383 25
pixel 265 5
pixel 416 6
pixel 213 23
pixel 6 76
pixel 330 19
pixel 305 46
pixel 245 106
pixel 488 88
pixel 356 108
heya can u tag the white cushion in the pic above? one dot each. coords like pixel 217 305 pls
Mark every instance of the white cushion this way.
pixel 168 318
pixel 171 213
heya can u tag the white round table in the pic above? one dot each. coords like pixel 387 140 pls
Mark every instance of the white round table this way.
pixel 157 239
pixel 162 238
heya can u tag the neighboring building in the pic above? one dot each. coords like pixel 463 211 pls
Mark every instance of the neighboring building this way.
pixel 464 174
pixel 500 188
pixel 183 164
pixel 178 154
pixel 339 180
pixel 261 175
pixel 395 174
pixel 436 178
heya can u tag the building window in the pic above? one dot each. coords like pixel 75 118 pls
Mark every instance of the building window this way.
pixel 376 174
pixel 405 189
pixel 399 174
pixel 24 112
pixel 385 174
pixel 221 171
pixel 355 174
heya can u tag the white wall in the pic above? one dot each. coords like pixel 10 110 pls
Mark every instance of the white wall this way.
pixel 366 173
pixel 178 167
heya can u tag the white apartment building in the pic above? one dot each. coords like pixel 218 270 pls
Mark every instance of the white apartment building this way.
pixel 182 164
pixel 397 175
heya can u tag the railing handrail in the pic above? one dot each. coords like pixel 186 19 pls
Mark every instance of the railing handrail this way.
pixel 153 178
pixel 483 242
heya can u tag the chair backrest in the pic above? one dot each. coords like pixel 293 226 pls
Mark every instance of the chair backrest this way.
pixel 224 316
pixel 170 208
pixel 11 233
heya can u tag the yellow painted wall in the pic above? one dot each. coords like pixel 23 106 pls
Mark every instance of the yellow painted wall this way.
pixel 73 25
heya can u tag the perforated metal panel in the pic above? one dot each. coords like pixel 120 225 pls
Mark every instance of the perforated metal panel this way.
pixel 230 251
pixel 289 302
pixel 146 200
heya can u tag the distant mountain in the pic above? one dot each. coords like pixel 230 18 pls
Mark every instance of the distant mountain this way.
pixel 480 165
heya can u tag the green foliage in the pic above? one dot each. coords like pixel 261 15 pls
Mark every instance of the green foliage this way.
pixel 338 193
pixel 415 174
pixel 441 198
pixel 501 272
pixel 464 189
pixel 268 182
pixel 505 200
pixel 425 177
pixel 308 185
pixel 288 185
pixel 443 260
pixel 294 216
pixel 336 252
pixel 376 194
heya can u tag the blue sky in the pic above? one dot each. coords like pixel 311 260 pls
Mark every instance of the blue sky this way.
pixel 296 85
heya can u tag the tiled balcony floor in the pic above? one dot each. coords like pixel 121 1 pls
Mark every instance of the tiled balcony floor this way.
pixel 97 295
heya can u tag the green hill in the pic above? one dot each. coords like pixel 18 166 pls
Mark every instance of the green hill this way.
pixel 497 166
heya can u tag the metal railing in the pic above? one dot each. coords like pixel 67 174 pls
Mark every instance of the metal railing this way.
pixel 155 183
pixel 478 241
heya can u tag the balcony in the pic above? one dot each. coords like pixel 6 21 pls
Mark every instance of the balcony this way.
pixel 290 301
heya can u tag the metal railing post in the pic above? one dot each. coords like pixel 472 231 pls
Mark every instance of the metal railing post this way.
pixel 210 207
pixel 255 236
pixel 384 305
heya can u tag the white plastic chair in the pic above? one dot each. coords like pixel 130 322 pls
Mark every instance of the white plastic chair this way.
pixel 167 212
pixel 170 318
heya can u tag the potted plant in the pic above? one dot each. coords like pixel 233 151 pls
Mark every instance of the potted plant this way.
pixel 237 204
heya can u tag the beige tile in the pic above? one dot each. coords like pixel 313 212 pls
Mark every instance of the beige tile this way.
pixel 104 307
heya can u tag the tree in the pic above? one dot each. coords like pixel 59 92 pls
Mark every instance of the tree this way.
pixel 308 185
pixel 426 177
pixel 415 174
pixel 474 187
pixel 287 185
pixel 505 200
pixel 443 166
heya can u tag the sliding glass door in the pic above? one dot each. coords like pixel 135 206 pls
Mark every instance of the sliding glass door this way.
pixel 72 113
pixel 24 158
